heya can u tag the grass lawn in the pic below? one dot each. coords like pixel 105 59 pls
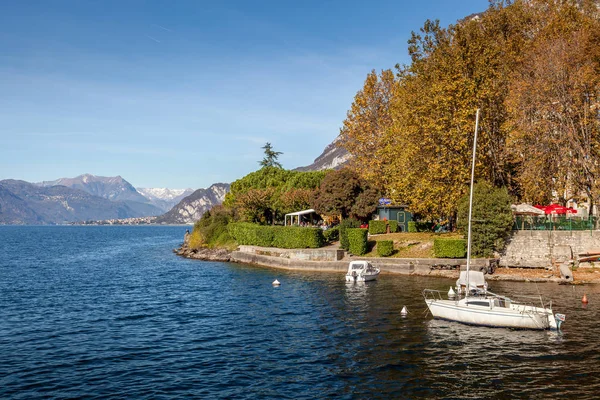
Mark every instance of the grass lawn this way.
pixel 410 244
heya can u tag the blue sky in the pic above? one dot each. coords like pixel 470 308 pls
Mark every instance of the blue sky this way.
pixel 184 93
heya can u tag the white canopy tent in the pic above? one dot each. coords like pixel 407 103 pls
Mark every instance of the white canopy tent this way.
pixel 296 214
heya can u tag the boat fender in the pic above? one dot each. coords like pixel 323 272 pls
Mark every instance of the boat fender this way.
pixel 451 293
pixel 560 318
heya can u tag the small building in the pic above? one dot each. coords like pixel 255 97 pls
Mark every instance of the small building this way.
pixel 394 213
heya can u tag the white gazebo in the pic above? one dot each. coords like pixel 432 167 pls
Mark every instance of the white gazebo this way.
pixel 296 214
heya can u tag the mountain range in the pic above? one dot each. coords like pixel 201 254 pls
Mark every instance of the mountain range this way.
pixel 93 198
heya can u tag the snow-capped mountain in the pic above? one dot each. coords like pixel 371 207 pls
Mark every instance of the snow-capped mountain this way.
pixel 164 198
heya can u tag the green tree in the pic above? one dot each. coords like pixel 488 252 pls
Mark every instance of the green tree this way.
pixel 492 219
pixel 271 156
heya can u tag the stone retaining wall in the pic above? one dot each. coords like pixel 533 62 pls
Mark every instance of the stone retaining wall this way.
pixel 543 249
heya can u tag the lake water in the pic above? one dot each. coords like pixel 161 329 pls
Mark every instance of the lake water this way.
pixel 100 312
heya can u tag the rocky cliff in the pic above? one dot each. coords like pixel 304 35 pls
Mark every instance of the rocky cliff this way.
pixel 191 208
pixel 333 157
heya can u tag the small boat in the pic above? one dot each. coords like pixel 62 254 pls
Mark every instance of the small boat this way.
pixel 480 307
pixel 361 271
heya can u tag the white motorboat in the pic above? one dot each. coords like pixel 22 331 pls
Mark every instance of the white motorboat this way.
pixel 481 307
pixel 361 271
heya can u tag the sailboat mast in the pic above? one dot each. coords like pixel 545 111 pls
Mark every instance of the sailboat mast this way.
pixel 471 200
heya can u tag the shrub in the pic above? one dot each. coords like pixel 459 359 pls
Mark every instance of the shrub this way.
pixel 331 234
pixel 211 229
pixel 344 225
pixel 377 227
pixel 450 248
pixel 492 218
pixel 385 248
pixel 357 239
pixel 412 226
pixel 294 237
pixel 393 226
pixel 246 233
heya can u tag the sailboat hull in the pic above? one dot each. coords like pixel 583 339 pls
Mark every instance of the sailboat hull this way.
pixel 515 316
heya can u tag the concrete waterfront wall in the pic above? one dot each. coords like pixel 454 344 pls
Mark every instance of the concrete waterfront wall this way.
pixel 542 249
pixel 322 254
pixel 330 260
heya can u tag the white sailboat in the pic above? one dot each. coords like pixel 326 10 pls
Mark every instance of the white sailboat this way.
pixel 481 307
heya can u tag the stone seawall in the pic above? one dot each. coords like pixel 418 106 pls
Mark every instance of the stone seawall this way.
pixel 543 249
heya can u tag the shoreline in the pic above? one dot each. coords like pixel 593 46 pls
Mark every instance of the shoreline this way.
pixel 434 267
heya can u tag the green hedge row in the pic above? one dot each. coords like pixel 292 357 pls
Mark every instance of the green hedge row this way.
pixel 357 239
pixel 285 237
pixel 332 234
pixel 385 248
pixel 412 226
pixel 344 225
pixel 377 227
pixel 246 233
pixel 393 226
pixel 296 237
pixel 450 248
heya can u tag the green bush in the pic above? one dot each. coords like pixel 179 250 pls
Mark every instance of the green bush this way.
pixel 412 226
pixel 450 248
pixel 377 227
pixel 393 226
pixel 295 237
pixel 284 237
pixel 344 225
pixel 246 233
pixel 385 248
pixel 331 234
pixel 357 239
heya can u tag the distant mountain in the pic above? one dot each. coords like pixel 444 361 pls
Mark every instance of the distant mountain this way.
pixel 112 188
pixel 333 157
pixel 165 199
pixel 191 208
pixel 24 203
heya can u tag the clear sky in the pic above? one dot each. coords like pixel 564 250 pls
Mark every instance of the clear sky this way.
pixel 184 93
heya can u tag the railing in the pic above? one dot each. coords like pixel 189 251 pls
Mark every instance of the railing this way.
pixel 554 223
pixel 430 294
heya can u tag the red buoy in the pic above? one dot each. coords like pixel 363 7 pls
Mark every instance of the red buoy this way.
pixel 584 300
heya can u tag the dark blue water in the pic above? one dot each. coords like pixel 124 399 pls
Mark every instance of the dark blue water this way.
pixel 100 312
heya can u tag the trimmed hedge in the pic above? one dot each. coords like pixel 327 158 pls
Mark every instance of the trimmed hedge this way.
pixel 393 226
pixel 357 239
pixel 385 248
pixel 296 237
pixel 246 233
pixel 377 227
pixel 332 234
pixel 450 248
pixel 344 225
pixel 284 237
pixel 412 226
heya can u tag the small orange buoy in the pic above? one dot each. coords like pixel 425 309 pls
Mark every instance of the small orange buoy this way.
pixel 584 300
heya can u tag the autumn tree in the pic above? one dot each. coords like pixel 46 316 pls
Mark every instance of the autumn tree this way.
pixel 366 123
pixel 344 193
pixel 554 109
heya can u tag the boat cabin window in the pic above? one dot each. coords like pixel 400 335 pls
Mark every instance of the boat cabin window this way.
pixel 501 303
pixel 479 303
